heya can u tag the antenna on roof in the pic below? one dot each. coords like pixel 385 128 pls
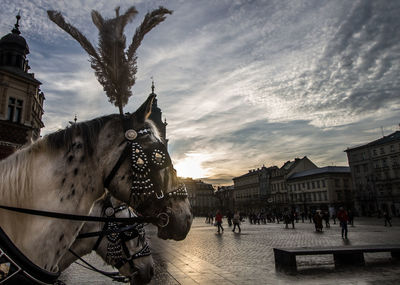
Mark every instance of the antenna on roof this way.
pixel 382 131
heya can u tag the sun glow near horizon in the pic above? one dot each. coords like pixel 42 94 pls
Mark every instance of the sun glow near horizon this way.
pixel 191 166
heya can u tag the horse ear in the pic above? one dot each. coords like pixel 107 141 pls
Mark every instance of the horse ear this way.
pixel 144 111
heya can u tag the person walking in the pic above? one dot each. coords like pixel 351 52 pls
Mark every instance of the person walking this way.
pixel 318 221
pixel 343 219
pixel 236 222
pixel 387 218
pixel 218 220
pixel 326 219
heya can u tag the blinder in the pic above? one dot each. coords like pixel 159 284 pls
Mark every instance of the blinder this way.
pixel 146 162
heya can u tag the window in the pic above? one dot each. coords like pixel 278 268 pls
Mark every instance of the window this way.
pixel 14 112
pixel 323 183
pixel 374 151
pixel 318 185
pixel 357 168
pixel 337 183
pixel 382 151
pixel 313 184
pixel 392 148
pixel 365 167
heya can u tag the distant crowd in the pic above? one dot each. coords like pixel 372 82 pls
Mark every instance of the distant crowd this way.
pixel 318 217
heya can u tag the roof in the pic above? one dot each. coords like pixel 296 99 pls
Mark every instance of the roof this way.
pixel 18 72
pixel 321 170
pixel 386 139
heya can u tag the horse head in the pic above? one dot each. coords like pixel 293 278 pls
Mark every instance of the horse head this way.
pixel 139 171
pixel 121 246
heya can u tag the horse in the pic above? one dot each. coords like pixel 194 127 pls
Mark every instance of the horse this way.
pixel 128 251
pixel 67 171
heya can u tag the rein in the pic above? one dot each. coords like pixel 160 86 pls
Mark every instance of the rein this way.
pixel 159 220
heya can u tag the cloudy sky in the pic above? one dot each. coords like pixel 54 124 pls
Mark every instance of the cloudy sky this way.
pixel 241 83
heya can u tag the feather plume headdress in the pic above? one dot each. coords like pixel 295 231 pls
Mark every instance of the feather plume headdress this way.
pixel 114 67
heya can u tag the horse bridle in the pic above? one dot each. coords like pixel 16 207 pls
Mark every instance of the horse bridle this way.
pixel 144 162
pixel 118 235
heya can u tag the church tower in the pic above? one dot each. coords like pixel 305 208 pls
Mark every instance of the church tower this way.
pixel 21 101
pixel 156 117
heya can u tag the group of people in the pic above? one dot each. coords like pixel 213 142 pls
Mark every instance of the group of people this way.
pixel 318 217
pixel 234 219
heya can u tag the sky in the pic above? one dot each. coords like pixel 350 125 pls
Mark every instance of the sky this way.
pixel 241 83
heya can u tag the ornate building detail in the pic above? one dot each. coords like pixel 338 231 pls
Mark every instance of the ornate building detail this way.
pixel 21 101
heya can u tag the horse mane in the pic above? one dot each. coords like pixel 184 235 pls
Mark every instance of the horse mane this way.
pixel 14 176
pixel 87 130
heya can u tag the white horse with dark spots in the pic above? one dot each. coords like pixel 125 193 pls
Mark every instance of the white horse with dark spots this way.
pixel 68 171
pixel 127 250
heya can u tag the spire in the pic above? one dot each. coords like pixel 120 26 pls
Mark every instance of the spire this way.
pixel 16 26
pixel 152 85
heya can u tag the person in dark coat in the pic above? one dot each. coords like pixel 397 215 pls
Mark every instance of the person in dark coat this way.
pixel 387 218
pixel 343 219
pixel 318 221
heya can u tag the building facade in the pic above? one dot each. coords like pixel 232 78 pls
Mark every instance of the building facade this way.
pixel 201 197
pixel 375 171
pixel 225 196
pixel 21 101
pixel 325 188
pixel 279 200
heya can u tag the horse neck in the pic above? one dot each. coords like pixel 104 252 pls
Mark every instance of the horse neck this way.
pixel 83 246
pixel 62 181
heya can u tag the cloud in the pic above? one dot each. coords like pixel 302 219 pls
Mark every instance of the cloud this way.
pixel 244 83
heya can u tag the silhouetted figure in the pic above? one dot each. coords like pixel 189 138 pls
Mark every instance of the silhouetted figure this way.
pixel 236 222
pixel 343 219
pixel 318 222
pixel 387 218
pixel 326 219
pixel 218 220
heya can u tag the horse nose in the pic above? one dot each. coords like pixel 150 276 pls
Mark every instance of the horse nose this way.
pixel 151 272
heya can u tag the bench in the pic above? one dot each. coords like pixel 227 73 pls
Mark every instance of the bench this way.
pixel 285 258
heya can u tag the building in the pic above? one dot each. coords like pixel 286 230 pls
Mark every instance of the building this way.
pixel 201 196
pixel 21 101
pixel 375 171
pixel 325 188
pixel 225 196
pixel 252 190
pixel 156 117
pixel 279 201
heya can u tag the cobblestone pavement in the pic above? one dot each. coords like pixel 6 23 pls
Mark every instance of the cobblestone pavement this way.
pixel 206 257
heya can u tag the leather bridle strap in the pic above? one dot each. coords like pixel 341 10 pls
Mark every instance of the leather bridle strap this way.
pixel 115 276
pixel 124 155
pixel 131 220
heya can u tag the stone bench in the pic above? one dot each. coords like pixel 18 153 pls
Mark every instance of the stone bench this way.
pixel 285 258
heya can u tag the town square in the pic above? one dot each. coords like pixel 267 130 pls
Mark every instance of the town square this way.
pixel 199 142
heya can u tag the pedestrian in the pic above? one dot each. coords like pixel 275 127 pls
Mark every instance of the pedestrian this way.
pixel 343 219
pixel 310 216
pixel 218 220
pixel 229 217
pixel 334 218
pixel 236 222
pixel 326 219
pixel 302 217
pixel 351 218
pixel 387 218
pixel 318 221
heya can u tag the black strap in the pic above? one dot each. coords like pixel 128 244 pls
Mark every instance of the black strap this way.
pixel 132 220
pixel 113 275
pixel 109 231
pixel 121 159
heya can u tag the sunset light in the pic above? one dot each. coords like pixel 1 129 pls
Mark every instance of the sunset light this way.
pixel 191 166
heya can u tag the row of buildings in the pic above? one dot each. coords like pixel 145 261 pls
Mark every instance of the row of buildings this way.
pixel 369 186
